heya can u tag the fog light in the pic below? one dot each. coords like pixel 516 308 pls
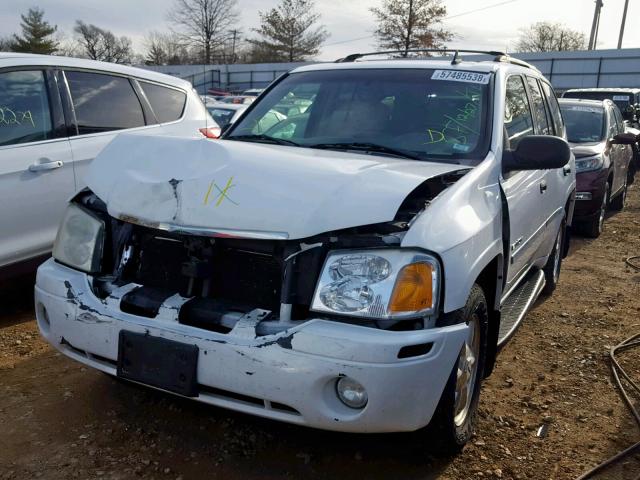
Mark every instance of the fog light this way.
pixel 351 393
pixel 584 196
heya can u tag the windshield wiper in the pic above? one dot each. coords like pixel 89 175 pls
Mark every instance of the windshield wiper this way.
pixel 366 147
pixel 261 138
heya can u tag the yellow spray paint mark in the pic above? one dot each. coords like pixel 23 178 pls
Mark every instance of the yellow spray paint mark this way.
pixel 223 193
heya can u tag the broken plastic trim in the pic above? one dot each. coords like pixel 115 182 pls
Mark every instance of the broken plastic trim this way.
pixel 206 232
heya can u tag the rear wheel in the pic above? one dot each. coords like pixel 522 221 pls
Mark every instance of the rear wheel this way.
pixel 454 420
pixel 554 263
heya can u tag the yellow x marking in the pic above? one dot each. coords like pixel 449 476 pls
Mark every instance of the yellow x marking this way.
pixel 222 193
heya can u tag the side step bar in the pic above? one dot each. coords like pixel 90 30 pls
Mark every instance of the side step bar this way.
pixel 516 306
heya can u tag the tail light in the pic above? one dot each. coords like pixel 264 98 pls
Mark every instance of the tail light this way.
pixel 211 132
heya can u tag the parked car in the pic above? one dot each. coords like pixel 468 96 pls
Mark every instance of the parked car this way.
pixel 224 114
pixel 253 92
pixel 603 153
pixel 238 99
pixel 359 278
pixel 627 100
pixel 56 115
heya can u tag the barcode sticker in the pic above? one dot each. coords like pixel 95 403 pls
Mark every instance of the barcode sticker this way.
pixel 461 76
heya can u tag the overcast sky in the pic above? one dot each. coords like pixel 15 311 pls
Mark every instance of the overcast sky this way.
pixel 496 26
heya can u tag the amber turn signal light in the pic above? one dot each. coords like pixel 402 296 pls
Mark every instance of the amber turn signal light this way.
pixel 413 290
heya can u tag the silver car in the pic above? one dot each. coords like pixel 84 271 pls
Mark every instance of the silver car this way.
pixel 56 115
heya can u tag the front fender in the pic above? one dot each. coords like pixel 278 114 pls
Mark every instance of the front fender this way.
pixel 463 225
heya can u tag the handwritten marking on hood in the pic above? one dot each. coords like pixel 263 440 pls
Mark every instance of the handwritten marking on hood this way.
pixel 223 193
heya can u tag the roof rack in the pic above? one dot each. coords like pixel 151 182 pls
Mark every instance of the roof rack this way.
pixel 498 56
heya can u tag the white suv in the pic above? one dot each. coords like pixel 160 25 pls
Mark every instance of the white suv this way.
pixel 357 269
pixel 56 115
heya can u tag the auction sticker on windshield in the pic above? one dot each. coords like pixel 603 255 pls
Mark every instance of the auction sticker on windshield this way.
pixel 460 76
pixel 620 98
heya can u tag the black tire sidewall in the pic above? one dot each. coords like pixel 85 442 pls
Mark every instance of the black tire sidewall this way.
pixel 550 281
pixel 447 437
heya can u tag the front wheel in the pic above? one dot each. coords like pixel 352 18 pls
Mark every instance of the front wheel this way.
pixel 617 204
pixel 594 227
pixel 454 420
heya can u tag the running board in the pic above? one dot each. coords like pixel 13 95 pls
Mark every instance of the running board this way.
pixel 516 306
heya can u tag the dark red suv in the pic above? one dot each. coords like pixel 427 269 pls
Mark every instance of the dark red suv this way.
pixel 596 132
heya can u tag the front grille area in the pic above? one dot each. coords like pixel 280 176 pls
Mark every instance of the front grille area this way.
pixel 234 272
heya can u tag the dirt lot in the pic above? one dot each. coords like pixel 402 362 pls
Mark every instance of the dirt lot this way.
pixel 59 420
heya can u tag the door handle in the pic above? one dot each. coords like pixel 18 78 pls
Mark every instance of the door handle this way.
pixel 43 167
pixel 566 170
pixel 543 186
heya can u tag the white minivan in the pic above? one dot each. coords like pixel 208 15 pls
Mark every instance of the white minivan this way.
pixel 56 115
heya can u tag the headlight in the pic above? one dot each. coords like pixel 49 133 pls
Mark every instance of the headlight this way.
pixel 80 239
pixel 588 164
pixel 384 283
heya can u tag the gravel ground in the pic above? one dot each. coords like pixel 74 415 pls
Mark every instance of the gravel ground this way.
pixel 60 420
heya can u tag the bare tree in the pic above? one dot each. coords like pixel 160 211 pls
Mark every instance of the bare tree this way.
pixel 287 32
pixel 410 24
pixel 5 44
pixel 165 49
pixel 204 24
pixel 99 44
pixel 550 37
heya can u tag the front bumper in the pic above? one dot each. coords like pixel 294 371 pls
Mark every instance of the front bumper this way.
pixel 592 183
pixel 289 376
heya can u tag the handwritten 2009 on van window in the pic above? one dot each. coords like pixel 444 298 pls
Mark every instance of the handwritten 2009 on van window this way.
pixel 461 76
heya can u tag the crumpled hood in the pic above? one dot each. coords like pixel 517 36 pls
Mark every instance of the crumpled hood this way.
pixel 581 150
pixel 249 189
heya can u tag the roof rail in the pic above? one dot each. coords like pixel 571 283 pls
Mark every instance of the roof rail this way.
pixel 498 56
pixel 515 61
pixel 355 56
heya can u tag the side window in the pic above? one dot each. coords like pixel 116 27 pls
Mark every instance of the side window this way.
pixel 25 115
pixel 555 109
pixel 539 111
pixel 619 120
pixel 103 102
pixel 517 114
pixel 613 125
pixel 167 103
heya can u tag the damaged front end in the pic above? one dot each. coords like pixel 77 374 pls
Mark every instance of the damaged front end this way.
pixel 214 280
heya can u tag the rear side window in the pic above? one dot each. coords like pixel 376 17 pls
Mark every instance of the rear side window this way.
pixel 25 115
pixel 167 103
pixel 103 102
pixel 539 111
pixel 518 122
pixel 556 115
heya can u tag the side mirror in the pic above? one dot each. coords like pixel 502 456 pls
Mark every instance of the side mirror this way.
pixel 537 152
pixel 624 139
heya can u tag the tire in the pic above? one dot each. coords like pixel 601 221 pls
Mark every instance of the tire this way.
pixel 453 422
pixel 594 227
pixel 554 263
pixel 617 204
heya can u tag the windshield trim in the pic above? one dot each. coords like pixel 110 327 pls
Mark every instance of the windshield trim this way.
pixel 477 156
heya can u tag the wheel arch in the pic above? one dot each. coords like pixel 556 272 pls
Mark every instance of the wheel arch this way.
pixel 491 281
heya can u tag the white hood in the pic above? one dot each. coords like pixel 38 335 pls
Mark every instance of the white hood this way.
pixel 269 191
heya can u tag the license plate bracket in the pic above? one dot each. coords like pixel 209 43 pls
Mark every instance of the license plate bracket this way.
pixel 158 362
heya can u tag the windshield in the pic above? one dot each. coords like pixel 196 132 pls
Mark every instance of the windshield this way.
pixel 584 124
pixel 423 113
pixel 222 116
pixel 621 99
